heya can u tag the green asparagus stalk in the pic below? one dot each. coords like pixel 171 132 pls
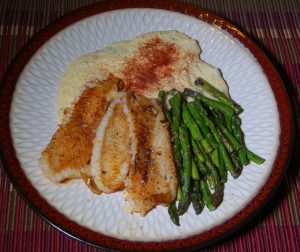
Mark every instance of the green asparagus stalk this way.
pixel 226 142
pixel 206 145
pixel 211 182
pixel 172 210
pixel 173 126
pixel 237 164
pixel 229 136
pixel 218 195
pixel 186 160
pixel 195 113
pixel 183 204
pixel 215 157
pixel 197 202
pixel 223 153
pixel 212 174
pixel 202 168
pixel 199 120
pixel 179 194
pixel 238 135
pixel 190 123
pixel 222 170
pixel 175 103
pixel 210 102
pixel 228 121
pixel 195 172
pixel 217 94
pixel 207 198
pixel 255 158
pixel 211 200
pixel 198 154
pixel 227 161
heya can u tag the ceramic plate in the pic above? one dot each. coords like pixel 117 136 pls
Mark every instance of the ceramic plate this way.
pixel 29 100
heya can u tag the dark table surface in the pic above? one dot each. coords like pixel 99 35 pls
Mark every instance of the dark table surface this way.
pixel 274 25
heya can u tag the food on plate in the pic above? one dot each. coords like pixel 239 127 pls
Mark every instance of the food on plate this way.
pixel 153 178
pixel 114 147
pixel 148 116
pixel 148 63
pixel 115 140
pixel 132 150
pixel 207 143
pixel 70 148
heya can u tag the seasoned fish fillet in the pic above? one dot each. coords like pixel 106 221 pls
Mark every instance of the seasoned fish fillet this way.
pixel 70 148
pixel 112 156
pixel 152 179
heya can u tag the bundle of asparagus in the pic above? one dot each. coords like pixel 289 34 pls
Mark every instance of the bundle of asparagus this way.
pixel 207 143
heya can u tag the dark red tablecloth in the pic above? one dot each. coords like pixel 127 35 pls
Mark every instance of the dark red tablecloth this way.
pixel 274 25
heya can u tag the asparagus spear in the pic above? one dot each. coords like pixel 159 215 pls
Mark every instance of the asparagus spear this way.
pixel 172 210
pixel 217 196
pixel 237 164
pixel 218 118
pixel 183 204
pixel 179 194
pixel 197 198
pixel 194 111
pixel 207 199
pixel 210 102
pixel 237 133
pixel 255 158
pixel 212 174
pixel 199 158
pixel 173 126
pixel 249 154
pixel 202 167
pixel 195 172
pixel 227 162
pixel 193 128
pixel 205 130
pixel 226 142
pixel 190 123
pixel 217 94
pixel 228 121
pixel 198 154
pixel 176 108
pixel 215 157
pixel 229 136
pixel 212 201
pixel 222 170
pixel 186 160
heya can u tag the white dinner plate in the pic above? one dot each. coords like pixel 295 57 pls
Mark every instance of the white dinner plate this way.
pixel 32 122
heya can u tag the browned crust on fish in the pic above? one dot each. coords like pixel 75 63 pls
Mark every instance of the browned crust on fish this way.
pixel 70 147
pixel 111 157
pixel 152 180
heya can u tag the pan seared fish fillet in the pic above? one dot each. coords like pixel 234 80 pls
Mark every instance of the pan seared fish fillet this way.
pixel 113 151
pixel 69 152
pixel 152 179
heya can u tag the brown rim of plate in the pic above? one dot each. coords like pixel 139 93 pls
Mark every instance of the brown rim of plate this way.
pixel 61 222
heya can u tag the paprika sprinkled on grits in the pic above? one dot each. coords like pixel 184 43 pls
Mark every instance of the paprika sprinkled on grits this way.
pixel 154 61
pixel 147 63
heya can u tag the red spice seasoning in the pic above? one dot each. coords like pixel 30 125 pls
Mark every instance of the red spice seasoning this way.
pixel 152 62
